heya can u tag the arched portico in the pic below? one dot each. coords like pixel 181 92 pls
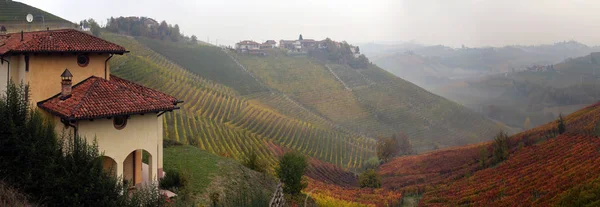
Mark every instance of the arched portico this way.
pixel 109 165
pixel 138 167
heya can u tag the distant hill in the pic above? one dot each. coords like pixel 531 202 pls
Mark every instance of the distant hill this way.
pixel 13 17
pixel 416 62
pixel 508 84
pixel 540 94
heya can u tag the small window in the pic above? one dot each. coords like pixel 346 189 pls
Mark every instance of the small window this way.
pixel 26 63
pixel 120 122
pixel 83 60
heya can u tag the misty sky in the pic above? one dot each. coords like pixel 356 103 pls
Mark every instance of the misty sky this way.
pixel 449 22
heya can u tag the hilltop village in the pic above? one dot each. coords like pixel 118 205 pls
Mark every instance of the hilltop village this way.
pixel 299 46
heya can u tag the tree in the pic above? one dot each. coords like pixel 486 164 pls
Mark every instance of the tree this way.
pixel 175 33
pixel 387 148
pixel 290 170
pixel 527 124
pixel 561 124
pixel 371 163
pixel 405 147
pixel 94 27
pixel 369 179
pixel 300 37
pixel 483 156
pixel 163 30
pixel 194 39
pixel 254 162
pixel 500 147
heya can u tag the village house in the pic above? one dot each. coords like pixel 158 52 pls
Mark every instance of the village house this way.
pixel 69 79
pixel 308 44
pixel 288 44
pixel 246 46
pixel 269 44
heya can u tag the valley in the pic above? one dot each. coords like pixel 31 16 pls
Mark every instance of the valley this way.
pixel 302 122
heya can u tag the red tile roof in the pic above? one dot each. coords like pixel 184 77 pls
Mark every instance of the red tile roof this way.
pixel 248 42
pixel 97 97
pixel 64 40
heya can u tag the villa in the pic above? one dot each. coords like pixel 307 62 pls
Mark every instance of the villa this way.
pixel 68 73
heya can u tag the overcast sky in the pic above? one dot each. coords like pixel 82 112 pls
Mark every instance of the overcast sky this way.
pixel 449 22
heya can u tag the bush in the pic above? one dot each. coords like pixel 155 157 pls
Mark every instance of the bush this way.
pixel 561 127
pixel 483 156
pixel 371 164
pixel 387 148
pixel 57 173
pixel 254 162
pixel 170 143
pixel 290 170
pixel 369 179
pixel 11 197
pixel 173 180
pixel 500 145
pixel 585 194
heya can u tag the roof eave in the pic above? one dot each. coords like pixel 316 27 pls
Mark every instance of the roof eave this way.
pixel 73 118
pixel 19 52
pixel 126 114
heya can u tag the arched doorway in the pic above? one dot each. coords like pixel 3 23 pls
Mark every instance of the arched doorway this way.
pixel 109 165
pixel 137 167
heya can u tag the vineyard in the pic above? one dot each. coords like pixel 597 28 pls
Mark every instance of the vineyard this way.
pixel 533 175
pixel 412 174
pixel 206 61
pixel 541 167
pixel 434 122
pixel 340 196
pixel 369 101
pixel 326 122
pixel 216 118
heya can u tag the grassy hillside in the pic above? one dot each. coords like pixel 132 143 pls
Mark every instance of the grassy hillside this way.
pixel 207 173
pixel 13 17
pixel 207 61
pixel 370 101
pixel 17 11
pixel 214 117
pixel 541 168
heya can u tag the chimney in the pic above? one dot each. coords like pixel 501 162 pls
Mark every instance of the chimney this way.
pixel 66 83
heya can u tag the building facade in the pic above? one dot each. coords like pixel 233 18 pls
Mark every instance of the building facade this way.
pixel 68 73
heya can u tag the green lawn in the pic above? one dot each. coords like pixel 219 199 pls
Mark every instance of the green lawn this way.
pixel 200 165
pixel 208 173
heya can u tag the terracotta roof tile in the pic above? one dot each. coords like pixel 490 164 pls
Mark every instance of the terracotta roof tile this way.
pixel 65 40
pixel 97 97
pixel 248 42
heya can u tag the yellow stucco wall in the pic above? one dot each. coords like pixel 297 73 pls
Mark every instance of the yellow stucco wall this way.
pixel 141 133
pixel 3 74
pixel 45 70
